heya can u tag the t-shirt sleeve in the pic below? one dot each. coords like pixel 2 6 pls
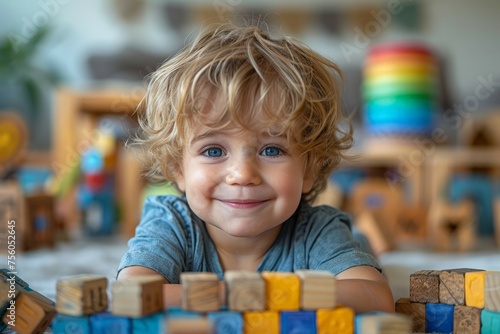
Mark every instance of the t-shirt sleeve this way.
pixel 160 239
pixel 331 245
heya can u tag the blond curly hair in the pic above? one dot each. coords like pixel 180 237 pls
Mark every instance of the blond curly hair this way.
pixel 279 80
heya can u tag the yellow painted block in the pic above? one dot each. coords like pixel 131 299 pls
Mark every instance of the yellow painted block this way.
pixel 339 320
pixel 282 291
pixel 474 288
pixel 261 322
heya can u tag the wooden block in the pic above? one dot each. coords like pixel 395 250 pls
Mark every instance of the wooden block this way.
pixel 81 295
pixel 282 291
pixel 261 322
pixel 475 287
pixel 41 220
pixel 297 322
pixel 153 323
pixel 226 322
pixel 245 291
pixel 452 286
pixel 137 296
pixel 318 289
pixel 490 322
pixel 424 286
pixel 106 323
pixel 416 312
pixel 467 320
pixel 65 324
pixel 178 312
pixel 379 322
pixel 439 318
pixel 339 320
pixel 30 315
pixel 492 291
pixel 189 326
pixel 200 292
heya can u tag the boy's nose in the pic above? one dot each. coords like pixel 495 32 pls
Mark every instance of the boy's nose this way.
pixel 243 172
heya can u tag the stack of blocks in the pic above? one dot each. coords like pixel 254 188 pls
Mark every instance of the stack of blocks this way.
pixel 453 301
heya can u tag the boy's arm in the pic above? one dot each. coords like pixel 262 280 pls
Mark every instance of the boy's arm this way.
pixel 364 289
pixel 172 293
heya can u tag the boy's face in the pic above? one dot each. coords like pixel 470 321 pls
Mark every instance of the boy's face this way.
pixel 240 181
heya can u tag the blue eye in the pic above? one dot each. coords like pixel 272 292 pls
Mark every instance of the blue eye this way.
pixel 213 152
pixel 272 151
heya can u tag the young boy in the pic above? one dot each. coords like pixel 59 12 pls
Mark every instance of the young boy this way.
pixel 248 128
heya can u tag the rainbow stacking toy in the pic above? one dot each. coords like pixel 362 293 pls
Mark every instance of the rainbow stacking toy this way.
pixel 400 89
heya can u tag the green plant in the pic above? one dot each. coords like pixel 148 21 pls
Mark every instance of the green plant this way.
pixel 18 67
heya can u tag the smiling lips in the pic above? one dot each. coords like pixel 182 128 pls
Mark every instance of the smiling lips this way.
pixel 243 204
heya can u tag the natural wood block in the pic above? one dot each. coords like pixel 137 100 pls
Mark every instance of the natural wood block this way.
pixel 387 323
pixel 424 286
pixel 474 288
pixel 32 315
pixel 467 320
pixel 137 296
pixel 339 320
pixel 492 291
pixel 189 326
pixel 318 289
pixel 245 291
pixel 282 291
pixel 416 312
pixel 452 286
pixel 81 295
pixel 490 322
pixel 200 292
pixel 261 322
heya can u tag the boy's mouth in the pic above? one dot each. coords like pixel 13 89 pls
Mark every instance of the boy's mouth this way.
pixel 242 204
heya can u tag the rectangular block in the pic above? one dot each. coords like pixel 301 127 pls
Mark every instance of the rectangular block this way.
pixel 379 322
pixel 416 312
pixel 153 323
pixel 439 318
pixel 178 312
pixel 107 323
pixel 452 286
pixel 261 322
pixel 189 326
pixel 424 286
pixel 490 322
pixel 200 292
pixel 297 322
pixel 282 291
pixel 467 320
pixel 474 289
pixel 30 315
pixel 226 322
pixel 492 291
pixel 245 291
pixel 137 296
pixel 339 320
pixel 318 289
pixel 69 324
pixel 81 295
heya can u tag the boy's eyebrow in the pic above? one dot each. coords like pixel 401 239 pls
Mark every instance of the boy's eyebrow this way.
pixel 203 135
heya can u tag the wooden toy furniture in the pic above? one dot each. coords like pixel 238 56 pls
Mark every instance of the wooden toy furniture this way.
pixel 452 223
pixel 84 109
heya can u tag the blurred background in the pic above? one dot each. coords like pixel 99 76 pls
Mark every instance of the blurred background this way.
pixel 422 83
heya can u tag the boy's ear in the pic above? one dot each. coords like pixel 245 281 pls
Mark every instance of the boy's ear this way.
pixel 180 181
pixel 307 184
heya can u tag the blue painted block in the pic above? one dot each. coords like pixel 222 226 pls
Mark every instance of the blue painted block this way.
pixel 178 312
pixel 439 318
pixel 226 322
pixel 107 323
pixel 67 324
pixel 151 324
pixel 490 322
pixel 298 322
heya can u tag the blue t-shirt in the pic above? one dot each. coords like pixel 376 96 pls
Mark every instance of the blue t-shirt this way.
pixel 171 239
